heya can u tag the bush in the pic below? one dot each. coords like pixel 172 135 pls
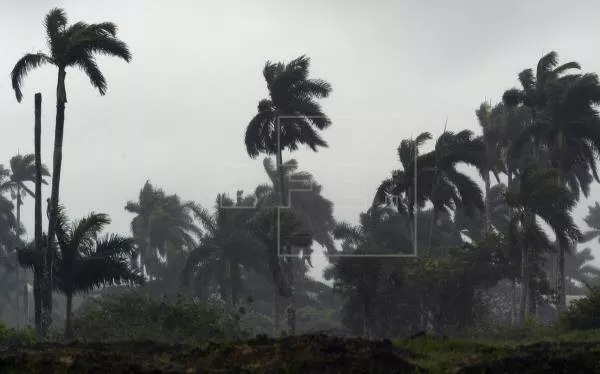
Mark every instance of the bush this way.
pixel 530 330
pixel 133 316
pixel 583 314
pixel 11 337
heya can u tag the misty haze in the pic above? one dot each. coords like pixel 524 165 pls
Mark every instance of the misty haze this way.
pixel 308 187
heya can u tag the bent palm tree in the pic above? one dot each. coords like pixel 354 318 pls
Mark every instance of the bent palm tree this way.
pixel 70 46
pixel 162 224
pixel 446 187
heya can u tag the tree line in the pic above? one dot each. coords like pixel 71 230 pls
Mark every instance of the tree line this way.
pixel 473 243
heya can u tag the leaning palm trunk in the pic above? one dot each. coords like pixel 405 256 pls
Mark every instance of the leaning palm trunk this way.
pixel 39 249
pixel 61 100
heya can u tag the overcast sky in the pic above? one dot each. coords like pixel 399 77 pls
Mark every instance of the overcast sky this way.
pixel 176 115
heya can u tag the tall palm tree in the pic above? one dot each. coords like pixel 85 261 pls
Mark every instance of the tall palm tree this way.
pixel 564 120
pixel 87 260
pixel 539 197
pixel 72 45
pixel 291 116
pixel 162 223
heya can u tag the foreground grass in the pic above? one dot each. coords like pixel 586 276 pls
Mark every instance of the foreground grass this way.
pixel 571 352
pixel 575 352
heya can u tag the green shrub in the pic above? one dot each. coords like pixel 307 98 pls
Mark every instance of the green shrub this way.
pixel 583 314
pixel 11 337
pixel 133 316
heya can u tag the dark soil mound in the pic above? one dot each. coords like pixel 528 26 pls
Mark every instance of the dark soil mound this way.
pixel 564 357
pixel 303 354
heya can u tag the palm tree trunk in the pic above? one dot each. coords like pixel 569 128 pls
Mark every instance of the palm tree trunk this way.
pixel 37 270
pixel 365 321
pixel 18 230
pixel 275 312
pixel 524 282
pixel 291 305
pixel 69 317
pixel 431 224
pixel 513 308
pixel 488 212
pixel 61 100
pixel 562 297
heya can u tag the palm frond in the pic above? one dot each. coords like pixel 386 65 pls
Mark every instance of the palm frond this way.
pixel 25 65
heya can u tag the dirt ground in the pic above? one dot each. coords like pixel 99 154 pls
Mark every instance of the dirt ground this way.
pixel 303 354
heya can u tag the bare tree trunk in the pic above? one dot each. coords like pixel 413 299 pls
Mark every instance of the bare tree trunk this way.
pixel 18 231
pixel 524 283
pixel 276 313
pixel 513 309
pixel 39 249
pixel 488 213
pixel 365 321
pixel 69 317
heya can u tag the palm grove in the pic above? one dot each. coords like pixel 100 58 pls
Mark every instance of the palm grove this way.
pixel 497 254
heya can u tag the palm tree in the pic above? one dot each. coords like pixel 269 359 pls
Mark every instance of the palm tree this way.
pixel 446 187
pixel 22 170
pixel 490 122
pixel 162 223
pixel 399 190
pixel 564 120
pixel 307 202
pixel 539 197
pixel 290 117
pixel 72 45
pixel 226 247
pixel 86 260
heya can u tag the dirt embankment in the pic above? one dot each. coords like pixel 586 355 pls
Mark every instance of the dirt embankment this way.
pixel 306 354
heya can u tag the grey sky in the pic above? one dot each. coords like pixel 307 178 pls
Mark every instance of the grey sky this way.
pixel 177 113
